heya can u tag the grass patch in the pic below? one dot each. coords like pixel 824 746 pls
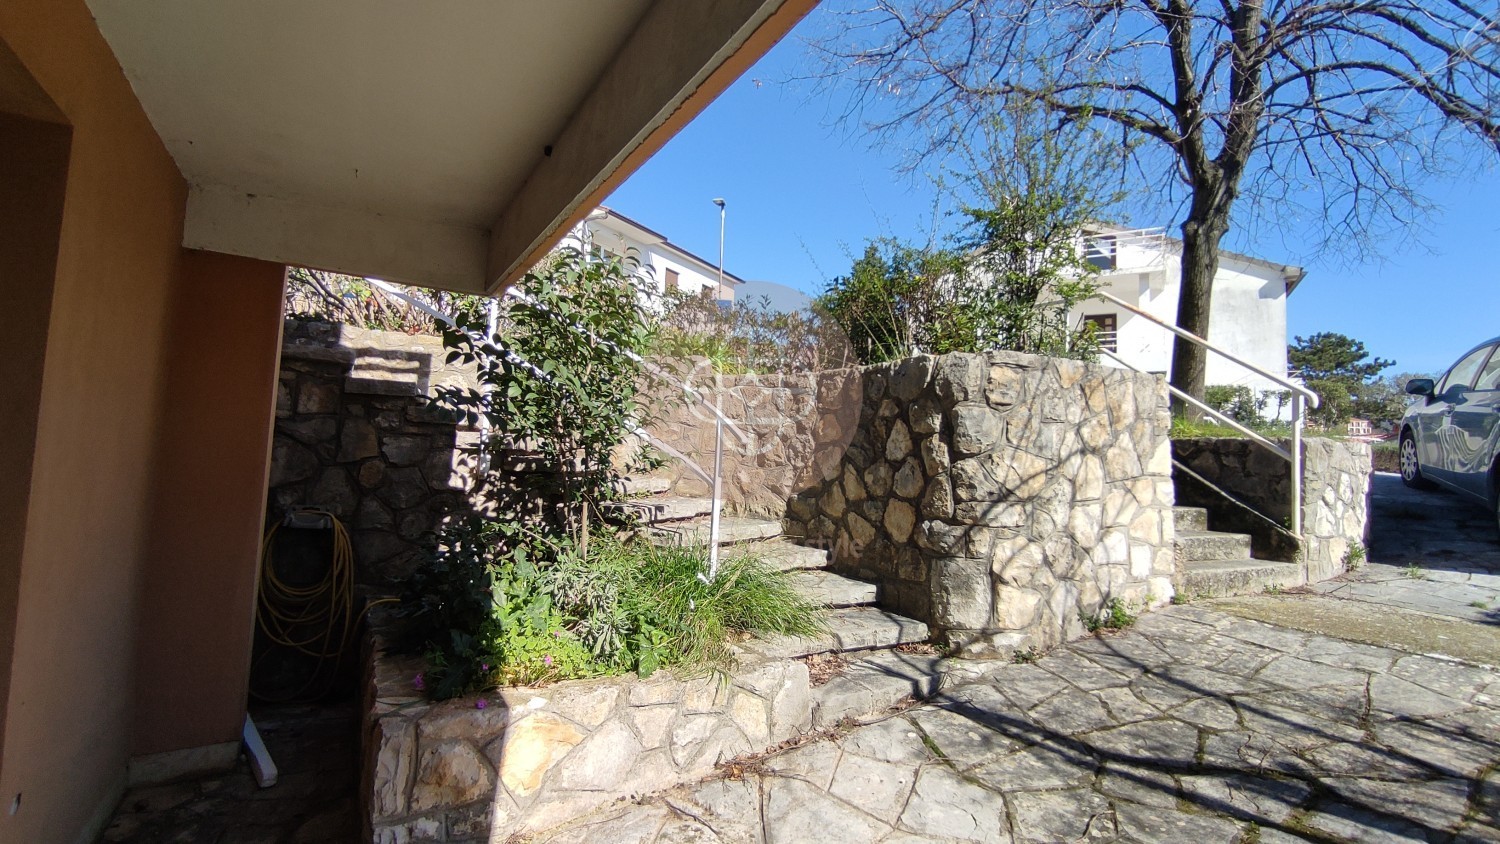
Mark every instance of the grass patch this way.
pixel 1480 605
pixel 1354 557
pixel 501 606
pixel 1414 572
pixel 1187 429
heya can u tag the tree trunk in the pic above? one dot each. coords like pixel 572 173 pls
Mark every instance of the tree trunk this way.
pixel 1201 233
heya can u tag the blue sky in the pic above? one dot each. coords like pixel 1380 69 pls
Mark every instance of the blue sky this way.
pixel 804 196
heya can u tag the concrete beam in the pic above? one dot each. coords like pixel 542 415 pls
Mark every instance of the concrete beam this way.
pixel 424 253
pixel 682 56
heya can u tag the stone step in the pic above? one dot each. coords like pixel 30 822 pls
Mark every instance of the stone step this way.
pixel 1195 545
pixel 849 629
pixel 1190 518
pixel 732 530
pixel 633 487
pixel 783 555
pixel 1225 578
pixel 832 590
pixel 874 683
pixel 661 508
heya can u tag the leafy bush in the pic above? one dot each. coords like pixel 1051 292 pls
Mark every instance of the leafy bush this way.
pixel 350 300
pixel 559 379
pixel 1238 402
pixel 749 336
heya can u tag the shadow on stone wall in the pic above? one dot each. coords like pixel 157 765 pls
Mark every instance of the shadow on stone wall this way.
pixel 355 436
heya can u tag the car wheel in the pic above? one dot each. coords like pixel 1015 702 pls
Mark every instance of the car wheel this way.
pixel 1411 471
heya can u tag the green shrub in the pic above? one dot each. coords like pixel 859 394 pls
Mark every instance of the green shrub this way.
pixel 1115 615
pixel 1238 402
pixel 554 609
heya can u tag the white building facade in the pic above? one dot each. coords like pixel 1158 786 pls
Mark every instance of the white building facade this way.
pixel 1247 314
pixel 669 266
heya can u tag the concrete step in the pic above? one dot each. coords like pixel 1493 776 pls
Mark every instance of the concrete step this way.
pixel 832 590
pixel 874 683
pixel 1224 578
pixel 732 530
pixel 1195 545
pixel 1190 518
pixel 783 555
pixel 849 629
pixel 656 509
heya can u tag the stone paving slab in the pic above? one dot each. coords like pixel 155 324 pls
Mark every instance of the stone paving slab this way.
pixel 1195 726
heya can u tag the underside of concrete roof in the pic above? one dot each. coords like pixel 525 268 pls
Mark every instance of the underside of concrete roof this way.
pixel 445 145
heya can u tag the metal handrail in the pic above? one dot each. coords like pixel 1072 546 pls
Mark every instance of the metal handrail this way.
pixel 1216 414
pixel 1298 392
pixel 1311 396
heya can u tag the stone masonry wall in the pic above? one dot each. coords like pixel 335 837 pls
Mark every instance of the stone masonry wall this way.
pixel 997 497
pixel 797 426
pixel 534 758
pixel 355 436
pixel 1335 496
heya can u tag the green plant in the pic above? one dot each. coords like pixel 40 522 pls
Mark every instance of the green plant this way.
pixel 1414 572
pixel 1114 615
pixel 1238 402
pixel 1179 598
pixel 1354 557
pixel 1480 605
pixel 558 381
pixel 1026 656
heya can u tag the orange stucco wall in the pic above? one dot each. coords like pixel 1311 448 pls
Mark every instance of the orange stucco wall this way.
pixel 218 410
pixel 75 603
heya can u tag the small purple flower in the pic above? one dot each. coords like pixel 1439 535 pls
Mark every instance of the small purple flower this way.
pixel 481 703
pixel 419 682
pixel 547 660
pixel 485 667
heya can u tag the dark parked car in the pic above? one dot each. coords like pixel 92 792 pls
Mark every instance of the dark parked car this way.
pixel 1452 436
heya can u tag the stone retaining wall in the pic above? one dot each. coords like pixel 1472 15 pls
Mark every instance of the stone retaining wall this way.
pixel 356 437
pixel 534 758
pixel 1335 497
pixel 797 426
pixel 998 497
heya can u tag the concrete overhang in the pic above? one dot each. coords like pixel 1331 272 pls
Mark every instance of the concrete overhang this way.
pixel 445 144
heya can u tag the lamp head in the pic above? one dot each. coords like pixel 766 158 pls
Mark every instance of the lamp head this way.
pixel 719 202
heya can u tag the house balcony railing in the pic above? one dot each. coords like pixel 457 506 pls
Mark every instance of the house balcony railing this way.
pixel 1127 250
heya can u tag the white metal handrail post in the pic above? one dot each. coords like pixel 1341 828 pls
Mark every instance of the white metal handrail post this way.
pixel 1296 525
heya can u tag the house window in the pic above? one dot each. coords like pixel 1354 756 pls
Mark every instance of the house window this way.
pixel 1106 330
pixel 674 283
pixel 1102 251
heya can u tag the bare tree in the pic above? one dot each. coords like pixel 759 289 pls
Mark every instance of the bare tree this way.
pixel 1331 104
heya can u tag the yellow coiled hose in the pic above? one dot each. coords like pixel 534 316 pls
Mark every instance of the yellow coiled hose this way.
pixel 317 620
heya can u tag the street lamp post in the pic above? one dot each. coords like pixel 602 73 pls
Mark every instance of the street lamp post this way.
pixel 718 494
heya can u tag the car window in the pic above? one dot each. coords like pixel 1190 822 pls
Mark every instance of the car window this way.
pixel 1462 374
pixel 1489 377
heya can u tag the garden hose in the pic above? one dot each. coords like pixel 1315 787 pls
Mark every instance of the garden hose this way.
pixel 316 620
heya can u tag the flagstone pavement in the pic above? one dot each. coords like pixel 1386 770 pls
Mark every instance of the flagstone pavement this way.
pixel 1194 726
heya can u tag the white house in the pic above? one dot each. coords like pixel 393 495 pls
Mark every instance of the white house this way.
pixel 670 266
pixel 1247 315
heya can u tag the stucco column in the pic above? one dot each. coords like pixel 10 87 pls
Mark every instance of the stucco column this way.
pixel 208 508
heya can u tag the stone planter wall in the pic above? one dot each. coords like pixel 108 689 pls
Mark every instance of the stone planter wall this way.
pixel 998 496
pixel 535 758
pixel 798 426
pixel 1335 496
pixel 355 436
